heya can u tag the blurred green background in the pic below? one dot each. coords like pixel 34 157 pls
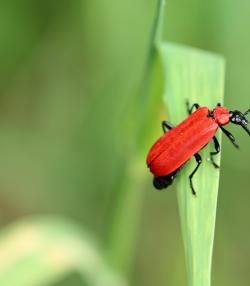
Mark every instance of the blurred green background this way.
pixel 70 72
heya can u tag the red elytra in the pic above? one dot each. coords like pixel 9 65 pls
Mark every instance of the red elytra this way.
pixel 175 147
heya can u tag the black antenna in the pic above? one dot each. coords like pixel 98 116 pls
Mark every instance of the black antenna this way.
pixel 246 113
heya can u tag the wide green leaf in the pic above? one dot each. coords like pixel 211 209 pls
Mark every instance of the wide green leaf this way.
pixel 197 76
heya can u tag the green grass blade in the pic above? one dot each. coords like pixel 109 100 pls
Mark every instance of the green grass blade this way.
pixel 45 250
pixel 142 117
pixel 199 77
pixel 126 213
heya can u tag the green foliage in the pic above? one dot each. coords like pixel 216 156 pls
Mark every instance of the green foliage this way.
pixel 81 101
pixel 198 77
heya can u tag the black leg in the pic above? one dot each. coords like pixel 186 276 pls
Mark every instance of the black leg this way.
pixel 190 109
pixel 198 160
pixel 166 126
pixel 229 136
pixel 217 151
pixel 246 129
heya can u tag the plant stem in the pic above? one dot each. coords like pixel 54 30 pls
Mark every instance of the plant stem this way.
pixel 158 24
pixel 124 226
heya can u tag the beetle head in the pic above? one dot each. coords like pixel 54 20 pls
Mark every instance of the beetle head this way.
pixel 239 118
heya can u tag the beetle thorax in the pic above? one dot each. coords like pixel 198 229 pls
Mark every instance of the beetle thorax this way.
pixel 221 115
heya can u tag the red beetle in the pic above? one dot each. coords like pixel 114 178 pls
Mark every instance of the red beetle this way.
pixel 175 147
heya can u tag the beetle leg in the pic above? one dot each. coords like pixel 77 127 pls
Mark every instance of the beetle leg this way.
pixel 198 160
pixel 229 136
pixel 217 151
pixel 166 126
pixel 190 109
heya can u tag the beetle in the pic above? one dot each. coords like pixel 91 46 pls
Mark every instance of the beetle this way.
pixel 175 147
